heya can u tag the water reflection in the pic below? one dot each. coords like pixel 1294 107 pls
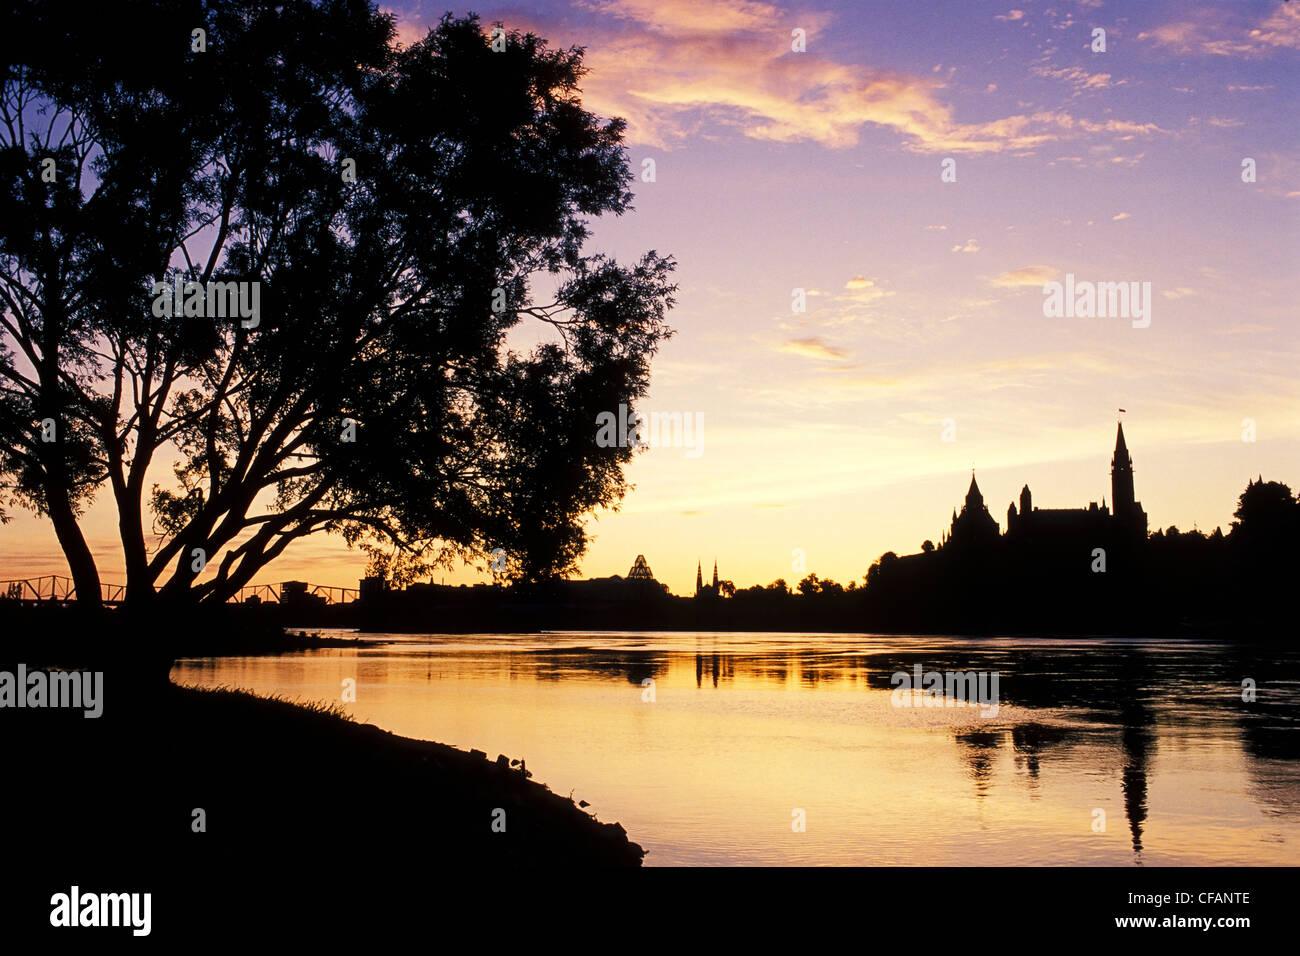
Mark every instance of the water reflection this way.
pixel 743 727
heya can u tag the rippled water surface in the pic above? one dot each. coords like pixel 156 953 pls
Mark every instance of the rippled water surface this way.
pixel 707 747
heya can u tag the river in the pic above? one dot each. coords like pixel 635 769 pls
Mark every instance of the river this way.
pixel 781 749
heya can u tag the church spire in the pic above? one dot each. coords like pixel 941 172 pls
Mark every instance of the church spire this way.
pixel 699 577
pixel 715 573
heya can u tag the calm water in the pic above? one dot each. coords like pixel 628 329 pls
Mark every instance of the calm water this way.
pixel 746 729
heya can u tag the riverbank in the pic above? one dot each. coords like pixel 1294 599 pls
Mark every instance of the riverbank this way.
pixel 223 780
pixel 220 776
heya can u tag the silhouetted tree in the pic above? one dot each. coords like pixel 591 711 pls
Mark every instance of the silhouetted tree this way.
pixel 880 569
pixel 1267 511
pixel 394 206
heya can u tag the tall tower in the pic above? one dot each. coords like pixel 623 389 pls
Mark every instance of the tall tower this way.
pixel 699 578
pixel 1121 477
pixel 715 573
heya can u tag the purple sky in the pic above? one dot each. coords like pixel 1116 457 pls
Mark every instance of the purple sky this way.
pixel 823 430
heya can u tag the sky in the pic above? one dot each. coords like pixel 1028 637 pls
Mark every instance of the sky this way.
pixel 920 171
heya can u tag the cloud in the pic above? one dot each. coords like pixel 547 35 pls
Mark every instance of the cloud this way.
pixel 935 228
pixel 1010 15
pixel 691 16
pixel 1182 292
pixel 1034 276
pixel 859 291
pixel 814 348
pixel 681 68
pixel 972 245
pixel 1121 215
pixel 1078 78
pixel 1221 32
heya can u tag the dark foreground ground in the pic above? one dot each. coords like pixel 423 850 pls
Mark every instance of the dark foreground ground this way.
pixel 274 777
pixel 277 783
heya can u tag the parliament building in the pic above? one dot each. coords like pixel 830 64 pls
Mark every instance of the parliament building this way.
pixel 974 528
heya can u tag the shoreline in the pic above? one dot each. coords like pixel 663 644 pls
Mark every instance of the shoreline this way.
pixel 267 774
pixel 275 776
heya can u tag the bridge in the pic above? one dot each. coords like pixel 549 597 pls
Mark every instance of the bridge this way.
pixel 60 589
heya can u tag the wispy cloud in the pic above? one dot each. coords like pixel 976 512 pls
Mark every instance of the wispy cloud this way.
pixel 1079 78
pixel 679 68
pixel 814 348
pixel 1222 31
pixel 1028 276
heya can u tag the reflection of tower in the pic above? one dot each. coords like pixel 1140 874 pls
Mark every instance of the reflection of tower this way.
pixel 980 749
pixel 1136 741
pixel 1134 782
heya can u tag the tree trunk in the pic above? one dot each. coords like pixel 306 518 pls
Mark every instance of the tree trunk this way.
pixel 81 563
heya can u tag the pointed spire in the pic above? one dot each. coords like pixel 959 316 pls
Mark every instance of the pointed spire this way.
pixel 1120 447
pixel 715 572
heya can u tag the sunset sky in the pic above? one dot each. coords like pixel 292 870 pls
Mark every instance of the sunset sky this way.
pixel 820 170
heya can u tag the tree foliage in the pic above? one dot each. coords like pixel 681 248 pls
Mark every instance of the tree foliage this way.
pixel 441 302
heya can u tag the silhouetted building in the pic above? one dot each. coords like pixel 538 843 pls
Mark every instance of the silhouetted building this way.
pixel 1128 512
pixel 1036 522
pixel 640 570
pixel 1095 522
pixel 371 587
pixel 974 527
pixel 702 589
